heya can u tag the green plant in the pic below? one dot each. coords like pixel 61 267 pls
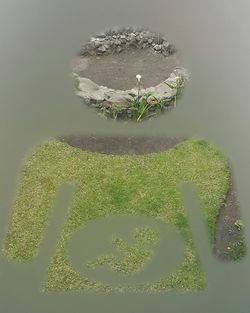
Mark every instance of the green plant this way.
pixel 139 105
pixel 238 224
pixel 177 85
pixel 134 255
pixel 237 250
pixel 112 111
pixel 144 105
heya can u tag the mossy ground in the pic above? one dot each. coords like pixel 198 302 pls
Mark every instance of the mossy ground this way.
pixel 115 184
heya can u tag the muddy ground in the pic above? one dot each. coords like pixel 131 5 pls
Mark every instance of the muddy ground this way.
pixel 118 71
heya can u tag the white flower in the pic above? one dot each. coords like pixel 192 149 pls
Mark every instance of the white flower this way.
pixel 138 77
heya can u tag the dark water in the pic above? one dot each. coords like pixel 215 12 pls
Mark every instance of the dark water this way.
pixel 38 40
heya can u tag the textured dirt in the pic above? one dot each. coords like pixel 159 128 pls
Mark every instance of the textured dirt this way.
pixel 118 71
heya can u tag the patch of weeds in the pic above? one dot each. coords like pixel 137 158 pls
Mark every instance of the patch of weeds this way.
pixel 139 105
pixel 178 85
pixel 134 256
pixel 238 224
pixel 113 111
pixel 237 250
pixel 145 105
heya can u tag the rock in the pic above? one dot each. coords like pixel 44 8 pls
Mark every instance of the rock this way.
pixel 141 42
pixel 97 43
pixel 165 53
pixel 101 35
pixel 106 47
pixel 101 49
pixel 91 52
pixel 165 45
pixel 150 40
pixel 158 47
pixel 133 41
pixel 119 49
pixel 117 42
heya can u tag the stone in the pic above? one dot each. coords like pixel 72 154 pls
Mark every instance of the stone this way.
pixel 158 47
pixel 150 40
pixel 133 41
pixel 119 49
pixel 141 42
pixel 91 52
pixel 165 44
pixel 101 49
pixel 101 35
pixel 117 42
pixel 106 47
pixel 165 53
pixel 97 43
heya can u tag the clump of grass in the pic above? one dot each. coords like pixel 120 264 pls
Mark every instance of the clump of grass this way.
pixel 237 250
pixel 134 256
pixel 238 224
pixel 113 111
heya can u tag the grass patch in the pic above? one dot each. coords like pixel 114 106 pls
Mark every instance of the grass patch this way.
pixel 134 255
pixel 115 184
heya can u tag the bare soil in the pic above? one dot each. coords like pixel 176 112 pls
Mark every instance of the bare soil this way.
pixel 225 230
pixel 118 71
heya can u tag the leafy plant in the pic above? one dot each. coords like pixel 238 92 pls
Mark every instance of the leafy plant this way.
pixel 144 105
pixel 177 85
pixel 113 111
pixel 238 224
pixel 139 104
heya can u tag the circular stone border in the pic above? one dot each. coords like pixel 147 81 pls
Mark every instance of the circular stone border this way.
pixel 114 103
pixel 115 41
